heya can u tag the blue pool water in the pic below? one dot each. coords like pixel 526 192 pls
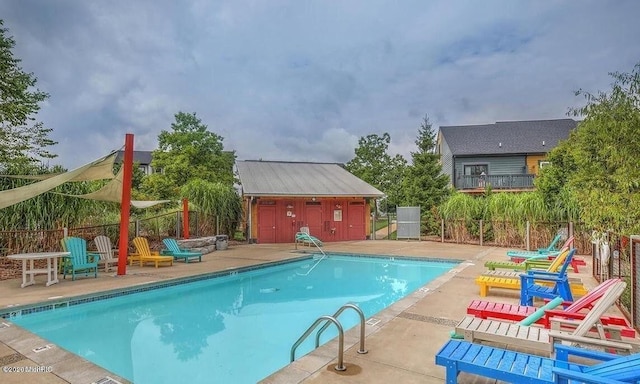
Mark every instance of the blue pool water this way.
pixel 233 329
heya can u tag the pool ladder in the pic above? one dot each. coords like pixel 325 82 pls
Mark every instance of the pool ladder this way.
pixel 328 320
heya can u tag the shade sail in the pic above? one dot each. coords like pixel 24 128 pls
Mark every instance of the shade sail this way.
pixel 112 191
pixel 96 170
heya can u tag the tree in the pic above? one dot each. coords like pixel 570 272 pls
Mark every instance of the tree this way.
pixel 21 138
pixel 374 165
pixel 599 162
pixel 424 184
pixel 186 153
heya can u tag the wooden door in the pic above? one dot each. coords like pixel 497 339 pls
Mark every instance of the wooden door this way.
pixel 313 218
pixel 266 224
pixel 286 222
pixel 355 221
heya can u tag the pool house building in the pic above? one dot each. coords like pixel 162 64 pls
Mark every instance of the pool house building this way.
pixel 281 197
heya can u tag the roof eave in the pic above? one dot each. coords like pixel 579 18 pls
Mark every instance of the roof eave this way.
pixel 254 194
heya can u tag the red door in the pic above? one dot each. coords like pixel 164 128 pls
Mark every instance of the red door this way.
pixel 313 218
pixel 355 221
pixel 286 222
pixel 266 224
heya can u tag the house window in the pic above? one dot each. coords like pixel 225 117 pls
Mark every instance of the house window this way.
pixel 543 163
pixel 476 169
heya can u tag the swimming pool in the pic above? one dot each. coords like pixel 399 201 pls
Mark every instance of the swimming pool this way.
pixel 237 328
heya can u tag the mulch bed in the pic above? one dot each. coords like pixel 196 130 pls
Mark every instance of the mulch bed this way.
pixel 11 269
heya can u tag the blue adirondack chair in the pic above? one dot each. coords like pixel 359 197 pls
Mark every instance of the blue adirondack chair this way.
pixel 517 367
pixel 173 249
pixel 79 260
pixel 529 288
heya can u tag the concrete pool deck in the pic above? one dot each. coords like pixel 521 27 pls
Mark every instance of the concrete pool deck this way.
pixel 401 340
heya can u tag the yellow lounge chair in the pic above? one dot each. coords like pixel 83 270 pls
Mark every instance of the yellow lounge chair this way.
pixel 144 254
pixel 486 282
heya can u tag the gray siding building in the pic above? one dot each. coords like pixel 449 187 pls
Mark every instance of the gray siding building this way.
pixel 504 155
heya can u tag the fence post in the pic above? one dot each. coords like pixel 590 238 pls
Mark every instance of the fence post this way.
pixel 65 232
pixel 571 229
pixel 178 225
pixel 137 228
pixel 527 236
pixel 481 233
pixel 442 230
pixel 634 257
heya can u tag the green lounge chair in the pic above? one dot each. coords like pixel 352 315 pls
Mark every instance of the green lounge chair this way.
pixel 79 261
pixel 173 249
pixel 304 237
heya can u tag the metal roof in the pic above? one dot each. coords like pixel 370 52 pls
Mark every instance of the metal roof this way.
pixel 140 157
pixel 507 137
pixel 278 178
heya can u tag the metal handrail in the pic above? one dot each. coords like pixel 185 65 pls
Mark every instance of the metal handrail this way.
pixel 340 366
pixel 318 262
pixel 362 350
pixel 314 265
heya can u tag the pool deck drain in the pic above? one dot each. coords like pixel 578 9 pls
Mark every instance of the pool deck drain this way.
pixel 402 343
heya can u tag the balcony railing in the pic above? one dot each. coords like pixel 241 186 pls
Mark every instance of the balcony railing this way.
pixel 515 181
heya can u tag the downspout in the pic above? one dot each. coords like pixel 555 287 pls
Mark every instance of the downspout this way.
pixel 250 222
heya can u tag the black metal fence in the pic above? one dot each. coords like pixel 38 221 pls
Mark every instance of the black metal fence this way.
pixel 617 256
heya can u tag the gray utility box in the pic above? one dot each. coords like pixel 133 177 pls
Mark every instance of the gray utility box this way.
pixel 222 242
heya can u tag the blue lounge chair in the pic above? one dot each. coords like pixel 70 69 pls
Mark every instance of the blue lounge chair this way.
pixel 530 287
pixel 517 367
pixel 173 249
pixel 79 259
pixel 549 251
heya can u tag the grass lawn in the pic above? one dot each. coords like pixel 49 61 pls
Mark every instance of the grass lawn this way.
pixel 381 223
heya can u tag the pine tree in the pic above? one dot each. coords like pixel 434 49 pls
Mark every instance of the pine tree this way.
pixel 424 183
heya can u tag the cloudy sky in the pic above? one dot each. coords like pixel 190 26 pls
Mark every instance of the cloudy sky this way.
pixel 304 80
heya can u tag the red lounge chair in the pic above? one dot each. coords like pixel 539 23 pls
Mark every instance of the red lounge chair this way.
pixel 575 311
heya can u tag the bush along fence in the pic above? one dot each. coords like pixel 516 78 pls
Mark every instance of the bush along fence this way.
pixel 504 233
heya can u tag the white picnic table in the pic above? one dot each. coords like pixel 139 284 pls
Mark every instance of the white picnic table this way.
pixel 28 269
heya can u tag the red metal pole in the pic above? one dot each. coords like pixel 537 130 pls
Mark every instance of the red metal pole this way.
pixel 185 218
pixel 125 204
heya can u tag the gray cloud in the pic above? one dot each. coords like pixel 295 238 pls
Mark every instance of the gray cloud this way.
pixel 296 80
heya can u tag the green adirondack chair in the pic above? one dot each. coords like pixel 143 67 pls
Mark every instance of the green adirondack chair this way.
pixel 80 261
